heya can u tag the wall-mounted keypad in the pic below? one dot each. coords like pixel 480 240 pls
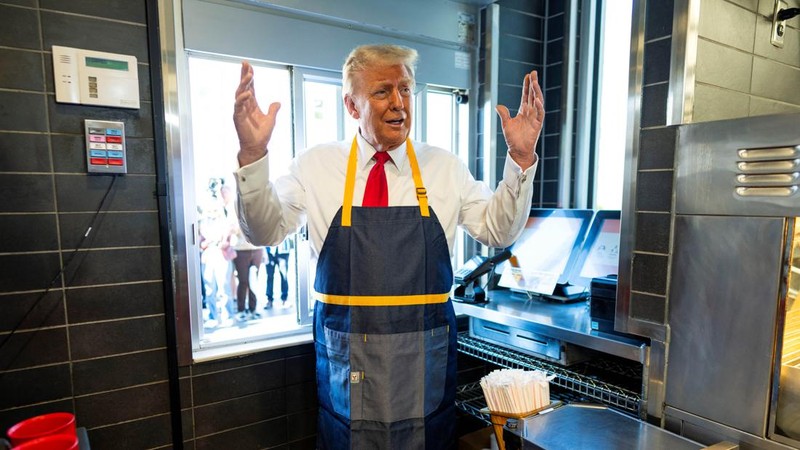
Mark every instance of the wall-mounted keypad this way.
pixel 105 146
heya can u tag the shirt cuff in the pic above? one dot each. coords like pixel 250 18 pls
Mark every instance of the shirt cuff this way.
pixel 252 177
pixel 513 173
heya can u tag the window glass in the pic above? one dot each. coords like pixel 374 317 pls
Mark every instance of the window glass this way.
pixel 439 120
pixel 326 118
pixel 612 108
pixel 322 102
pixel 220 246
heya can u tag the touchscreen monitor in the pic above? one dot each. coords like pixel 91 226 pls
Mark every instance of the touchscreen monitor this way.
pixel 544 254
pixel 599 256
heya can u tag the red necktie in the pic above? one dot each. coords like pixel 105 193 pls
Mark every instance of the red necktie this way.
pixel 377 192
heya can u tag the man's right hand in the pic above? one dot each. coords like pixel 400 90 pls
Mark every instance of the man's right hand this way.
pixel 253 127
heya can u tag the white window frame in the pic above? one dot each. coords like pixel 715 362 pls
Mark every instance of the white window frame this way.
pixel 187 203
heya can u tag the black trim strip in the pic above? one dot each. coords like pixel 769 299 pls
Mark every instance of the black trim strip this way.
pixel 162 194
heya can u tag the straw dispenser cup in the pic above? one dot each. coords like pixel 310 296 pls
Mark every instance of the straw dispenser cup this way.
pixel 514 393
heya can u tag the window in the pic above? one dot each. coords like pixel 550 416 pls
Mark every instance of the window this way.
pixel 211 203
pixel 612 110
pixel 443 121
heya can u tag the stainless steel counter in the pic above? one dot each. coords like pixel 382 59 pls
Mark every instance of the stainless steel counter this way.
pixel 590 426
pixel 568 322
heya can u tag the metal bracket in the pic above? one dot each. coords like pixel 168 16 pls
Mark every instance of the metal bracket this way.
pixel 778 26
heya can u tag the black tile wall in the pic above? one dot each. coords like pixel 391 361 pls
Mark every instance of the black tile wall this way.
pixel 23 152
pixel 523 47
pixel 240 411
pixel 649 273
pixel 25 272
pixel 298 427
pixel 657 148
pixel 21 70
pixel 110 229
pixel 19 2
pixel 83 193
pixel 114 321
pixel 69 153
pixel 108 338
pixel 16 236
pixel 114 302
pixel 651 308
pixel 513 73
pixel 31 310
pixel 114 266
pixel 654 105
pixel 654 191
pixel 52 382
pixel 125 10
pixel 22 111
pixel 218 386
pixel 20 28
pixel 66 118
pixel 654 185
pixel 114 372
pixel 122 405
pixel 91 33
pixel 653 232
pixel 26 193
pixel 265 434
pixel 537 7
pixel 150 432
pixel 34 348
pixel 658 19
pixel 658 54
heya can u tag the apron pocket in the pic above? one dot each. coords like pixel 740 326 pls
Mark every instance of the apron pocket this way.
pixel 337 352
pixel 403 374
pixel 436 359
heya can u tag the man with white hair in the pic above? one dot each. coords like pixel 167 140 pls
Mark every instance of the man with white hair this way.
pixel 382 213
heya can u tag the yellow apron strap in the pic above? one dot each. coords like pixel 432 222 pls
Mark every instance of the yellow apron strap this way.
pixel 350 182
pixel 422 194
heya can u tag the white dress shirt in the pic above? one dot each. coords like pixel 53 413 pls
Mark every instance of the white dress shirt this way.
pixel 313 192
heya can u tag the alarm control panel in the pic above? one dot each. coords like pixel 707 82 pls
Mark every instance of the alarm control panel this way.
pixel 106 151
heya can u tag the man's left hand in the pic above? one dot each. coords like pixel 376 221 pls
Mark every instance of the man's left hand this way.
pixel 522 131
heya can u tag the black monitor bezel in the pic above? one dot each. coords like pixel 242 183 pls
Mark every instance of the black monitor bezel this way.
pixel 598 221
pixel 584 214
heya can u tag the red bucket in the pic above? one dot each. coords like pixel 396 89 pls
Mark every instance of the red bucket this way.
pixel 52 442
pixel 41 426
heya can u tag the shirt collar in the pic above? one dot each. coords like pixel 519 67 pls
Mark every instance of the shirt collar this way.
pixel 366 152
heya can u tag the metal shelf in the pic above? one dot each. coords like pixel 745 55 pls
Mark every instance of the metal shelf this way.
pixel 583 379
pixel 469 398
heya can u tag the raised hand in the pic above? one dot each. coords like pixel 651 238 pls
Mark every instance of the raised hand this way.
pixel 253 127
pixel 522 131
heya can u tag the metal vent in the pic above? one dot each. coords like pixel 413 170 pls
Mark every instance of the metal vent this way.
pixel 768 172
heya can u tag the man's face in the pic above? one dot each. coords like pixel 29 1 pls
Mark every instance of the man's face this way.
pixel 381 102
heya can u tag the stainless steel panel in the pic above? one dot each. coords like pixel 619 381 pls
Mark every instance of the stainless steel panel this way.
pixel 522 340
pixel 722 315
pixel 743 167
pixel 568 322
pixel 576 426
pixel 708 432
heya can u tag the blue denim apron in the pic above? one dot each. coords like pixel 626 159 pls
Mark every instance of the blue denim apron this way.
pixel 384 327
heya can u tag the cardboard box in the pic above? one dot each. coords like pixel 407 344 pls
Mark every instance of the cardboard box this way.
pixel 478 440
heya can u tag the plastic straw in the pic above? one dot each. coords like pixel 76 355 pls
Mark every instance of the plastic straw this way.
pixel 516 391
